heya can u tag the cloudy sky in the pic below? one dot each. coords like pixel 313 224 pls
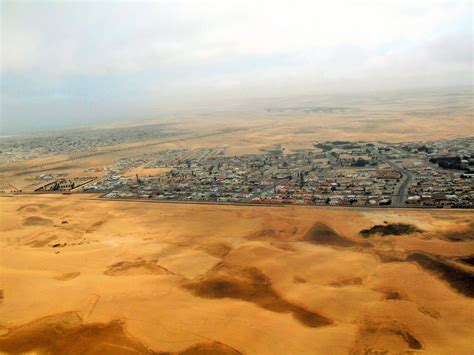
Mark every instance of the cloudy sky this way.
pixel 70 63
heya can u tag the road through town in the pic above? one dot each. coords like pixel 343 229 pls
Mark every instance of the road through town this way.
pixel 401 192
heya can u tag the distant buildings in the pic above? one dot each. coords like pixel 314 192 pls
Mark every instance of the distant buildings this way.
pixel 333 176
pixel 436 174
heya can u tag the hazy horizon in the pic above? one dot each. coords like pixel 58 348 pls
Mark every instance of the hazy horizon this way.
pixel 73 64
pixel 239 107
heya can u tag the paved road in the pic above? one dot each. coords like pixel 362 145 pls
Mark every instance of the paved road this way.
pixel 401 192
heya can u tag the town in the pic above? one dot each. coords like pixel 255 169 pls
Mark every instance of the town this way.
pixel 338 173
pixel 81 141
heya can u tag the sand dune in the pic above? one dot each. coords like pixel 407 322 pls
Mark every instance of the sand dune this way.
pixel 137 277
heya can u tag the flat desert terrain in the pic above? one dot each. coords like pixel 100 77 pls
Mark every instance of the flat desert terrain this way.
pixel 77 274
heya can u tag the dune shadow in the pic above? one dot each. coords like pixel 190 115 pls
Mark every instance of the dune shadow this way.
pixel 37 221
pixel 322 234
pixel 463 234
pixel 65 333
pixel 251 285
pixel 374 337
pixel 459 279
pixel 468 260
pixel 68 276
pixel 123 268
pixel 390 229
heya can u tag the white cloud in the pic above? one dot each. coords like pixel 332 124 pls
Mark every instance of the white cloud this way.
pixel 91 38
pixel 234 47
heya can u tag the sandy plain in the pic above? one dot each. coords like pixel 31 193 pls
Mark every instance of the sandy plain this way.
pixel 82 275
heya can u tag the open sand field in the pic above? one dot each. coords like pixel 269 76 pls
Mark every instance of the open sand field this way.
pixel 79 274
pixel 144 171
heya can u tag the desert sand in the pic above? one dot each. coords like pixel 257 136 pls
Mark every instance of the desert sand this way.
pixel 80 274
